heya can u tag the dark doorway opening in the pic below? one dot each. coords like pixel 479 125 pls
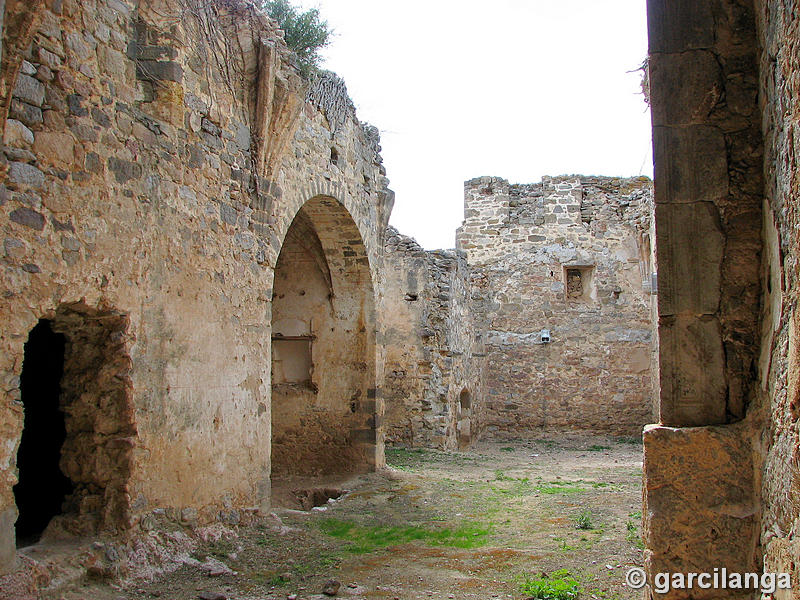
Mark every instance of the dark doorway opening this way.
pixel 464 419
pixel 42 485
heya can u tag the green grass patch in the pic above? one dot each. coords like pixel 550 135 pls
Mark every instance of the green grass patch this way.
pixel 560 487
pixel 596 448
pixel 510 487
pixel 629 440
pixel 632 536
pixel 565 547
pixel 612 487
pixel 500 476
pixel 584 520
pixel 364 539
pixel 404 458
pixel 507 449
pixel 558 585
pixel 547 443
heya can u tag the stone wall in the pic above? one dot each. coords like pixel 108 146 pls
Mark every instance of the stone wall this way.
pixel 776 439
pixel 157 154
pixel 569 258
pixel 720 273
pixel 433 347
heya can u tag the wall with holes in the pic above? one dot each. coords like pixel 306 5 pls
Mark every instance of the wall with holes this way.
pixel 432 346
pixel 157 154
pixel 563 282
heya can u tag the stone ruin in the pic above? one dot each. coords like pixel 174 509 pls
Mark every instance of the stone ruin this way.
pixel 464 346
pixel 201 294
pixel 563 288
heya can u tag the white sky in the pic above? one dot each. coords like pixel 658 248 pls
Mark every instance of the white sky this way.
pixel 512 88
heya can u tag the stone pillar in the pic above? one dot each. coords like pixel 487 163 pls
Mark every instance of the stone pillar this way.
pixel 699 484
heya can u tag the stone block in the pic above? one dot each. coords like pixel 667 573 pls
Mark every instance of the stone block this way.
pixel 8 548
pixel 686 87
pixel 29 90
pixel 692 367
pixel 124 170
pixel 49 59
pixel 690 247
pixel 28 217
pixel 228 214
pixel 17 135
pixel 152 70
pixel 55 147
pixel 679 25
pixel 700 510
pixel 23 174
pixel 690 164
pixel 76 43
pixel 26 113
pixel 112 63
pixel 75 103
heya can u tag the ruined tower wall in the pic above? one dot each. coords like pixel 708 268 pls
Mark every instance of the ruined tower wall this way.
pixel 144 186
pixel 433 350
pixel 572 256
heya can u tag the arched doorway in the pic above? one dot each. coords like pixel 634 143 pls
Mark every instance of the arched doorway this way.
pixel 76 451
pixel 323 347
pixel 464 419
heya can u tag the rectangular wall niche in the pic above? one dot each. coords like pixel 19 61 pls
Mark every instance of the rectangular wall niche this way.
pixel 579 283
pixel 291 352
pixel 291 359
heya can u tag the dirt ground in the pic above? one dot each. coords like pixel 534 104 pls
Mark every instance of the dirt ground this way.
pixel 434 524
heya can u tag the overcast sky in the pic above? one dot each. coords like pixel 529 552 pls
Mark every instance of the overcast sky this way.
pixel 512 88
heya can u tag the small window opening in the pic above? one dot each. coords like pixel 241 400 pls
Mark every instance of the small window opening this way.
pixel 334 156
pixel 579 284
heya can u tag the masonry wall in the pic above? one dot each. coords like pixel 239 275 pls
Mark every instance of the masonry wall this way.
pixel 571 257
pixel 719 99
pixel 433 347
pixel 775 416
pixel 157 154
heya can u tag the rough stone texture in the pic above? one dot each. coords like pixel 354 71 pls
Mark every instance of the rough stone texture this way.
pixel 708 194
pixel 720 272
pixel 777 437
pixel 571 255
pixel 717 462
pixel 432 346
pixel 125 206
pixel 20 21
pixel 97 455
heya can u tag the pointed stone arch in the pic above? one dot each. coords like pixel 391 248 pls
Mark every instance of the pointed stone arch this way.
pixel 324 417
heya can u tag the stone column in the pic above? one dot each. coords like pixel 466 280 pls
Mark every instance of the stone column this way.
pixel 700 503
